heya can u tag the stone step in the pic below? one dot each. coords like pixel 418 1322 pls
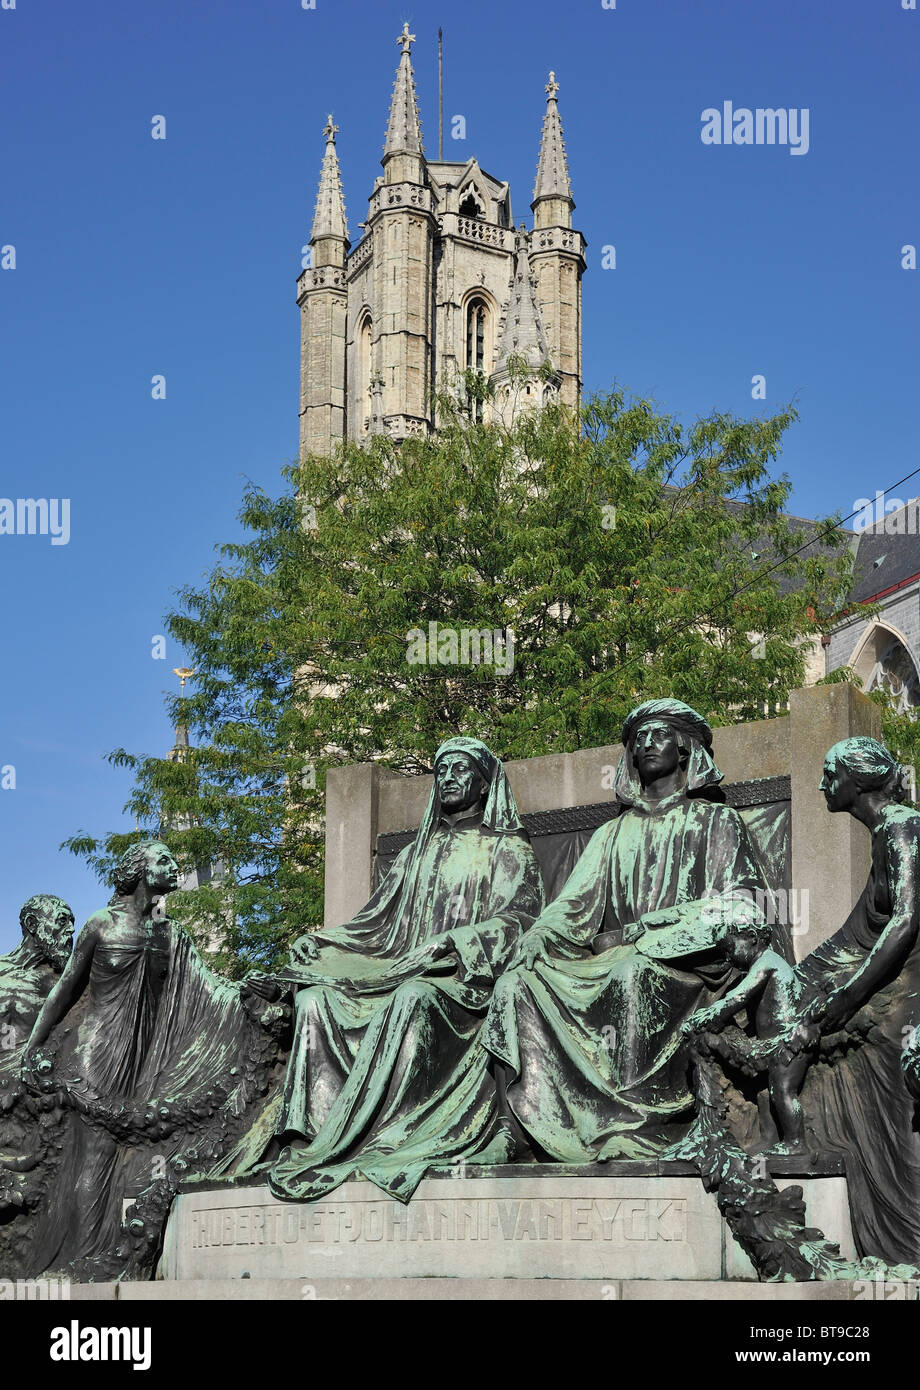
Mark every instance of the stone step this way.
pixel 485 1290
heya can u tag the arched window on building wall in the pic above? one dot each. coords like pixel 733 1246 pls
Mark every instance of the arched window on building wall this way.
pixel 363 399
pixel 882 661
pixel 894 672
pixel 477 315
pixel 471 205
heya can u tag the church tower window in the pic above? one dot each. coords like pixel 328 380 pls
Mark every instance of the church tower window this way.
pixel 476 335
pixel 364 371
pixel 476 345
pixel 472 205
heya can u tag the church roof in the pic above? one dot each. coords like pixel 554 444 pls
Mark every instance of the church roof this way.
pixel 329 218
pixel 811 537
pixel 814 541
pixel 523 333
pixel 404 131
pixel 887 554
pixel 552 169
pixel 887 557
pixel 451 174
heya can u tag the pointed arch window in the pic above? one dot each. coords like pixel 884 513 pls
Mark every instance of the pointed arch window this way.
pixel 895 672
pixel 364 372
pixel 476 324
pixel 472 205
pixel 476 315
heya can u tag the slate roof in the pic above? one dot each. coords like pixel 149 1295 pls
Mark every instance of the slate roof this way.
pixel 884 559
pixel 811 534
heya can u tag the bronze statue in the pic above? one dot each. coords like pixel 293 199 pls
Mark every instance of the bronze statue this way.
pixel 862 995
pixel 455 1020
pixel 598 1066
pixel 772 989
pixel 839 1027
pixel 150 1051
pixel 387 1076
pixel 29 1130
pixel 27 975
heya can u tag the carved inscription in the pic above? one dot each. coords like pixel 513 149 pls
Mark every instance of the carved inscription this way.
pixel 618 1221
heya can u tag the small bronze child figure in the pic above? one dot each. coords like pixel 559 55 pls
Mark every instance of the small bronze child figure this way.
pixel 771 990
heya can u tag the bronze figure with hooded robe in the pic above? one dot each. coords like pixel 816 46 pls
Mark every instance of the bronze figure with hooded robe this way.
pixel 387 1076
pixel 596 1062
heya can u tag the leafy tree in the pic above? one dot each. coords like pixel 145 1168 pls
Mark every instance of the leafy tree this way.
pixel 629 555
pixel 900 731
pixel 900 728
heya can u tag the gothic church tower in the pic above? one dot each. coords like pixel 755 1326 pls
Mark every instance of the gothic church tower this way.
pixel 440 282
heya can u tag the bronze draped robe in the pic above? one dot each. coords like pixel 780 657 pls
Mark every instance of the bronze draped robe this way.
pixel 855 1097
pixel 189 1045
pixel 388 1075
pixel 28 1137
pixel 599 1066
pixel 23 991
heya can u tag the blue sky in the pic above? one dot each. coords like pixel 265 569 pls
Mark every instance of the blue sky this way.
pixel 179 257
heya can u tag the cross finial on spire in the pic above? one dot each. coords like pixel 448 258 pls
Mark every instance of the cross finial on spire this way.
pixel 404 134
pixel 406 40
pixel 329 218
pixel 552 171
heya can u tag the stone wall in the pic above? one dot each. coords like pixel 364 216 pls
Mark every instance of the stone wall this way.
pixel 899 614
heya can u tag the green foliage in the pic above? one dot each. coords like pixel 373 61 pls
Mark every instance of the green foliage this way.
pixel 900 728
pixel 900 731
pixel 630 555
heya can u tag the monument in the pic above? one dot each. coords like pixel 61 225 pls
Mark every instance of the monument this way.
pixel 634 1081
pixel 30 1132
pixel 558 1027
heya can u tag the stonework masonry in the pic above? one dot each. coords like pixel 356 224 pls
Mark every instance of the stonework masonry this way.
pixel 441 282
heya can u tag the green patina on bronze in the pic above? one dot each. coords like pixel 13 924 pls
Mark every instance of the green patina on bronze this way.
pixel 158 1057
pixel 28 972
pixel 864 982
pixel 387 1075
pixel 30 1136
pixel 847 1012
pixel 457 1020
pixel 770 992
pixel 599 1065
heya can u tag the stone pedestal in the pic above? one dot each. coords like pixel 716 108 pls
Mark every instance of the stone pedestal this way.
pixel 526 1224
pixel 830 853
pixel 857 1292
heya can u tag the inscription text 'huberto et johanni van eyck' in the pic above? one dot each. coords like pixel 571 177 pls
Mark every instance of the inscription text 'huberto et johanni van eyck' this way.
pixel 617 1220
